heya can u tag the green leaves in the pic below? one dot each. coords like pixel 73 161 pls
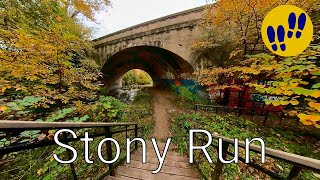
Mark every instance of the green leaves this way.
pixel 60 114
pixel 108 108
pixel 4 142
pixel 316 86
pixel 29 135
pixel 77 119
pixel 23 103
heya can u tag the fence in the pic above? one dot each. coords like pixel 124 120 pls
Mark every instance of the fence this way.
pixel 299 162
pixel 10 129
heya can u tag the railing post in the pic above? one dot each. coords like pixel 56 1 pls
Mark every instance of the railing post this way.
pixel 109 150
pixel 218 167
pixel 136 136
pixel 126 132
pixel 294 172
pixel 73 170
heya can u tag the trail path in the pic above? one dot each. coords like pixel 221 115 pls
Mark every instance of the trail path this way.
pixel 162 105
pixel 176 167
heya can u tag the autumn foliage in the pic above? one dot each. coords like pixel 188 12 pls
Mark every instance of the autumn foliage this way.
pixel 295 79
pixel 45 53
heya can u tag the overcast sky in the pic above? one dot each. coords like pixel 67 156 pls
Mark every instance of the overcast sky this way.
pixel 126 13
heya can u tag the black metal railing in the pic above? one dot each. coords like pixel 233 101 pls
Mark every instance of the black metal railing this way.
pixel 14 128
pixel 255 107
pixel 298 162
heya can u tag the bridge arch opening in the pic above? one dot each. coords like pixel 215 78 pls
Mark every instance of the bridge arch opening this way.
pixel 159 63
pixel 136 77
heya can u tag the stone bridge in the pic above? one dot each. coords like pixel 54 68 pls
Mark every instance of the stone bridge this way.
pixel 159 47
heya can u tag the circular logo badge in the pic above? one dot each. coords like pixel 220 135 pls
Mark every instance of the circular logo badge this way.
pixel 287 30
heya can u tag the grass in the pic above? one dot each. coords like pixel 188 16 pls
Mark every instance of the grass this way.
pixel 31 165
pixel 231 126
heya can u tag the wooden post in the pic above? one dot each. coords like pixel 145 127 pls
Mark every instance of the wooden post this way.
pixel 219 165
pixel 265 118
pixel 109 150
pixel 73 171
pixel 136 136
pixel 294 172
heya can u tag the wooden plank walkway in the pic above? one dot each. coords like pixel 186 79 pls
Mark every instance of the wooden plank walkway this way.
pixel 176 167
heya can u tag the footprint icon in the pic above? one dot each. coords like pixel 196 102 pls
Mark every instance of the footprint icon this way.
pixel 281 35
pixel 301 24
pixel 287 30
pixel 272 37
pixel 281 32
pixel 292 24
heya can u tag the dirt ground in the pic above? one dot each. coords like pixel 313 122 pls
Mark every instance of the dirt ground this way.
pixel 161 105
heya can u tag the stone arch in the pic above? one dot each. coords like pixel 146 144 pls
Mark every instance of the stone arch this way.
pixel 159 63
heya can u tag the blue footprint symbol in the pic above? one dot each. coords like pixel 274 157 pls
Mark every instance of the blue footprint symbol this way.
pixel 272 37
pixel 281 33
pixel 292 24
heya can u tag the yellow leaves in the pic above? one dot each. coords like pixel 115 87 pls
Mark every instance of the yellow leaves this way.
pixel 59 18
pixel 294 84
pixel 314 105
pixel 283 84
pixel 288 93
pixel 40 172
pixel 276 103
pixel 284 102
pixel 294 102
pixel 293 113
pixel 51 159
pixel 315 94
pixel 280 102
pixel 51 134
pixel 309 119
pixel 278 91
pixel 3 108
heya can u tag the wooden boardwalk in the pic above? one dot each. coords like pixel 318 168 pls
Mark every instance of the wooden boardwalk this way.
pixel 176 167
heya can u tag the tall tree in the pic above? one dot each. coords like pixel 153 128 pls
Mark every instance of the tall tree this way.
pixel 295 79
pixel 43 53
pixel 239 22
pixel 85 7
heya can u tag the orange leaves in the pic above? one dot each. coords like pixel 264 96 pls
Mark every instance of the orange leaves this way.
pixel 315 94
pixel 315 105
pixel 3 108
pixel 293 113
pixel 309 119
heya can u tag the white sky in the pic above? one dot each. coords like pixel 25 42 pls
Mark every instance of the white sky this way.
pixel 126 13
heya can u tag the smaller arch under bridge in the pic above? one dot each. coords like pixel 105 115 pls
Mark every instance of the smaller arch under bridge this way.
pixel 160 47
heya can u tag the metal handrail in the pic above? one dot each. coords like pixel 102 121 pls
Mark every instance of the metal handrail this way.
pixel 298 162
pixel 7 124
pixel 10 126
pixel 289 157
